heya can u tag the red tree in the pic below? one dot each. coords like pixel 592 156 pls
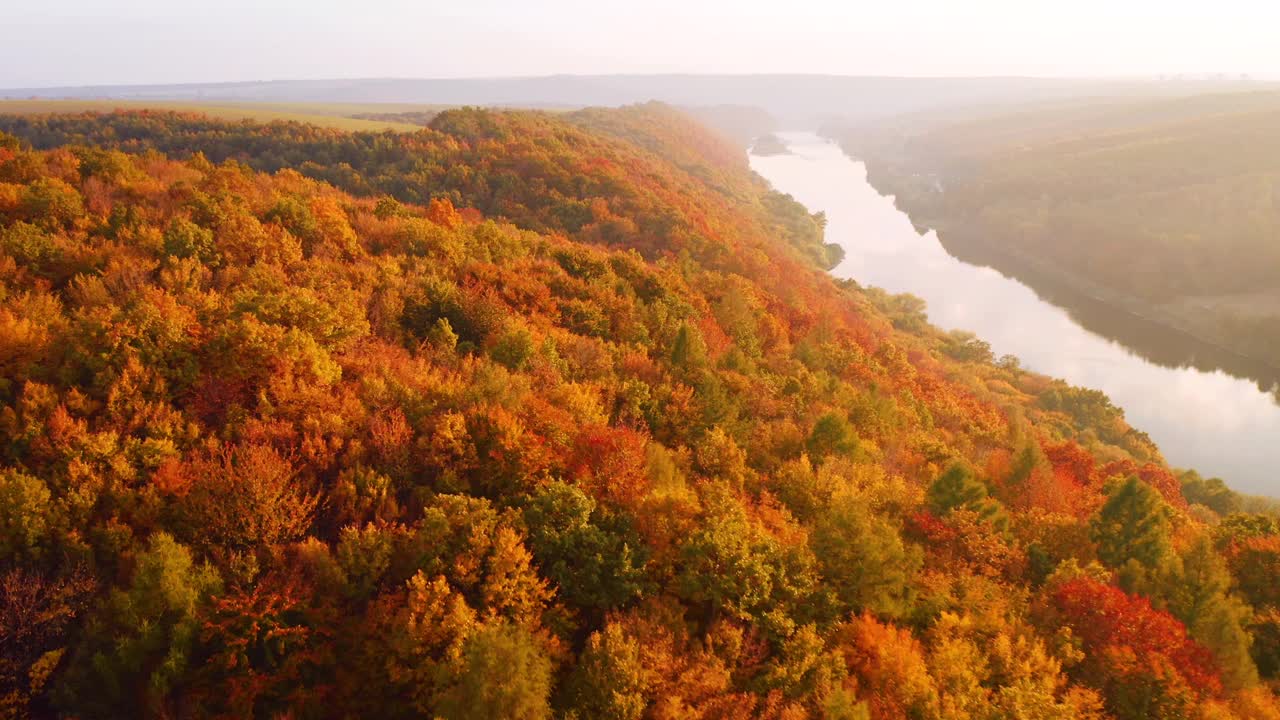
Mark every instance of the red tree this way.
pixel 1157 477
pixel 1140 658
pixel 610 463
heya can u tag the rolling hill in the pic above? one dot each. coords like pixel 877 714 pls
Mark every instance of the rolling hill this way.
pixel 533 415
pixel 1167 209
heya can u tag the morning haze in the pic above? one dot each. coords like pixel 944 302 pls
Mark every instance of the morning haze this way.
pixel 243 40
pixel 673 360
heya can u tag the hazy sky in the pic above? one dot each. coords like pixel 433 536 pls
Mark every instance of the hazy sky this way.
pixel 70 42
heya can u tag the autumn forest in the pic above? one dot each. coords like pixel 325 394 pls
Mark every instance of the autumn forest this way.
pixel 553 415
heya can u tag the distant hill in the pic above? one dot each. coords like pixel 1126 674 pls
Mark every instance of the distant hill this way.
pixel 740 123
pixel 796 100
pixel 1170 208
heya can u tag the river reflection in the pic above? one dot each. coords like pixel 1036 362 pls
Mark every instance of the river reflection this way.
pixel 1212 421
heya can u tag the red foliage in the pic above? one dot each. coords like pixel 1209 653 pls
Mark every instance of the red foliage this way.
pixel 999 465
pixel 1072 485
pixel 1113 625
pixel 610 463
pixel 1157 477
pixel 289 371
pixel 1072 462
pixel 641 366
pixel 171 478
pixel 717 341
pixel 1058 493
pixel 268 648
pixel 1255 564
pixel 241 498
pixel 927 527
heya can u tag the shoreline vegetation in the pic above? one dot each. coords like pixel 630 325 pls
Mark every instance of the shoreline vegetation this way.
pixel 1206 347
pixel 1161 210
pixel 770 144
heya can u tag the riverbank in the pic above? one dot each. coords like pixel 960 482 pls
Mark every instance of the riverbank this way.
pixel 1208 333
pixel 768 145
pixel 1205 347
pixel 1220 421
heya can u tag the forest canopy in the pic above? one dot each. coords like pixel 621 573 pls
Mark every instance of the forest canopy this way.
pixel 530 416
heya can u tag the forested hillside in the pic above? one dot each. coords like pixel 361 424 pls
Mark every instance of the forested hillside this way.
pixel 1170 208
pixel 552 416
pixel 542 171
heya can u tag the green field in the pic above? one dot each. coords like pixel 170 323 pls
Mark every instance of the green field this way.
pixel 336 115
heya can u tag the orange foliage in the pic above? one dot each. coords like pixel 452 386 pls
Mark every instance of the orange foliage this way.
pixel 223 354
pixel 889 666
pixel 441 212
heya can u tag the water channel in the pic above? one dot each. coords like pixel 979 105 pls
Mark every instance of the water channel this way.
pixel 1210 420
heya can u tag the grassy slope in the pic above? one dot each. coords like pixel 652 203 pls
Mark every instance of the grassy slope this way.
pixel 332 115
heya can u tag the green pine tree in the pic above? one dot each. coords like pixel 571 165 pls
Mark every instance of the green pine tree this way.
pixel 1196 588
pixel 958 488
pixel 1132 525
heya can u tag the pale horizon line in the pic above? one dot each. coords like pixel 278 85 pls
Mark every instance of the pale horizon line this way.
pixel 1209 76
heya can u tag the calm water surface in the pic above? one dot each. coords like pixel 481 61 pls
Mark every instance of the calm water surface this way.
pixel 1218 424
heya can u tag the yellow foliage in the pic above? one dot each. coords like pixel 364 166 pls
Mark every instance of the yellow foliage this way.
pixel 511 586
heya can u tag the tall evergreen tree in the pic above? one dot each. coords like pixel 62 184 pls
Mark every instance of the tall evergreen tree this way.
pixel 864 560
pixel 832 435
pixel 1132 525
pixel 1195 588
pixel 957 488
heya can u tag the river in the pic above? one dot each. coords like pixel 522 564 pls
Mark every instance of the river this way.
pixel 1212 421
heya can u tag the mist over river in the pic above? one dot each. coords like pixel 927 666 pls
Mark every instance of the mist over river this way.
pixel 1210 421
